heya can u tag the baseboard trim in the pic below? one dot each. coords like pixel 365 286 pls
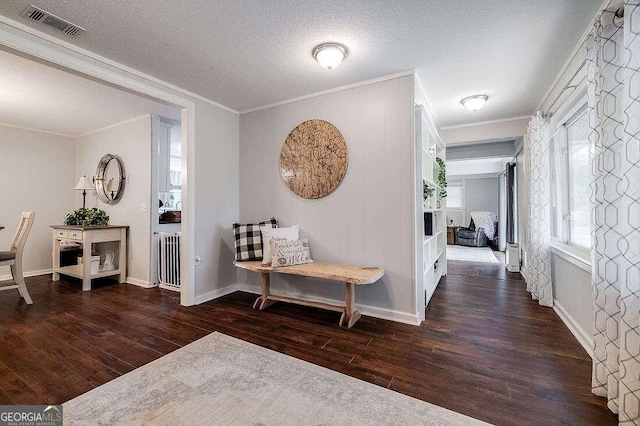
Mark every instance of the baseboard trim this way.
pixel 170 288
pixel 211 295
pixel 27 274
pixel 141 283
pixel 585 340
pixel 134 281
pixel 371 311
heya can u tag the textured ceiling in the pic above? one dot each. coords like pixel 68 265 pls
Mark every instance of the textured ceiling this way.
pixel 247 53
pixel 43 97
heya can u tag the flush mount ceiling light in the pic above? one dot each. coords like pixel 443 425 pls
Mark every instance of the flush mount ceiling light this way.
pixel 474 103
pixel 330 55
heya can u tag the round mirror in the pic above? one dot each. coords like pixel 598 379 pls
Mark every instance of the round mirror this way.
pixel 110 178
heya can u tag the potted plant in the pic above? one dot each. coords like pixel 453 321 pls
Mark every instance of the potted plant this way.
pixel 442 178
pixel 87 217
pixel 427 192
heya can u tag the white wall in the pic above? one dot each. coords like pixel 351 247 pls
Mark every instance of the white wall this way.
pixel 37 173
pixel 216 199
pixel 573 298
pixel 480 194
pixel 368 219
pixel 130 141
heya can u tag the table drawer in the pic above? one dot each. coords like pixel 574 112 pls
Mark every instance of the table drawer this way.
pixel 60 233
pixel 74 235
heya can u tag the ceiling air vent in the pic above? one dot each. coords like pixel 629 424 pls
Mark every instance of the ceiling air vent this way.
pixel 36 14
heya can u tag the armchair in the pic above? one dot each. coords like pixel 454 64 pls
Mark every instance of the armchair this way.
pixel 472 236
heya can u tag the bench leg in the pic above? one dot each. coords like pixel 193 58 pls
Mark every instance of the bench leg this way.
pixel 350 314
pixel 263 301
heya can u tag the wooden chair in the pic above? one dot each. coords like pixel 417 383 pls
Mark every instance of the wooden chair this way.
pixel 13 257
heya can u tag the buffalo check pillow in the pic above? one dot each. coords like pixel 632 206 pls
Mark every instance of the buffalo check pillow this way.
pixel 249 240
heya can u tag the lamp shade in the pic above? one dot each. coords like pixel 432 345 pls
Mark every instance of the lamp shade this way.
pixel 83 184
pixel 112 185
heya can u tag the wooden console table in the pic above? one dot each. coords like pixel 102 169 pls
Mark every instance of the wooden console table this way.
pixel 87 235
pixel 349 275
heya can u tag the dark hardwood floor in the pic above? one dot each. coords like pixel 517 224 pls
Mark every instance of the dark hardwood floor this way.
pixel 486 349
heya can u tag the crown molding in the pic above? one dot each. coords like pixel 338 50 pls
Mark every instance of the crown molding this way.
pixel 68 135
pixel 33 129
pixel 111 126
pixel 329 91
pixel 483 123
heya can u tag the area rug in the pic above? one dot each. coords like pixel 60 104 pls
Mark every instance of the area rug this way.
pixel 471 254
pixel 222 380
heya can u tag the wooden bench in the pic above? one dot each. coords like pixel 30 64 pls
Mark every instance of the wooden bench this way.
pixel 351 276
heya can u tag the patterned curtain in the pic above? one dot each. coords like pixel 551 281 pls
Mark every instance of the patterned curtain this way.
pixel 537 271
pixel 613 76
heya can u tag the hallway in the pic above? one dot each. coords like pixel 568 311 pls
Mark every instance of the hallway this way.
pixel 492 324
pixel 486 349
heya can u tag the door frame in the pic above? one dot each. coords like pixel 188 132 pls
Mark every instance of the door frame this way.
pixel 40 45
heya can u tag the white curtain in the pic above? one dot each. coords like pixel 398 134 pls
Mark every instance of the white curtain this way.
pixel 613 75
pixel 537 271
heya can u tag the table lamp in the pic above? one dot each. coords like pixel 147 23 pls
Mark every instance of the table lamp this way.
pixel 112 187
pixel 83 184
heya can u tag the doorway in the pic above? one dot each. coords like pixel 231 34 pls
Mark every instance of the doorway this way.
pixel 473 206
pixel 166 213
pixel 95 68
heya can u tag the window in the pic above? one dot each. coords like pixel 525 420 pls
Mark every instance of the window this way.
pixel 455 196
pixel 570 181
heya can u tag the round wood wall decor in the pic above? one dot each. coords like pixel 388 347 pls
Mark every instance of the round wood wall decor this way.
pixel 314 159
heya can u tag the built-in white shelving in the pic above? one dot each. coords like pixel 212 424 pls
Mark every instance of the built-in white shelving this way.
pixel 428 238
pixel 432 251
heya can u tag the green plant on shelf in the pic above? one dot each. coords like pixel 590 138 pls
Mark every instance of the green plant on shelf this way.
pixel 442 178
pixel 87 217
pixel 427 191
